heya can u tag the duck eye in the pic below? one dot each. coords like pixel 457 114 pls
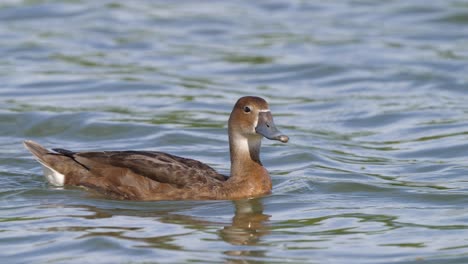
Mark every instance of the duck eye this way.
pixel 247 109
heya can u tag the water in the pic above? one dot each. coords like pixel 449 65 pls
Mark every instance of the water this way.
pixel 372 94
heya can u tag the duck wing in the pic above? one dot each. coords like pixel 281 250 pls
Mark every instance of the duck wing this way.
pixel 157 166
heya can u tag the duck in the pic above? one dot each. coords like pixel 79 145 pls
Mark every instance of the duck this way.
pixel 154 175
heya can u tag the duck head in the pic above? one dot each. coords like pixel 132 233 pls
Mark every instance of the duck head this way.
pixel 250 121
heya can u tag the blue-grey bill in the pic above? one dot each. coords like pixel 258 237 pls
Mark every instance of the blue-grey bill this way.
pixel 266 127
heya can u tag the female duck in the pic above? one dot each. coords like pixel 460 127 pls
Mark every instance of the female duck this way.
pixel 151 175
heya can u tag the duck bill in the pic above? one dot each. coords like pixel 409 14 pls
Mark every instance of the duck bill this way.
pixel 266 127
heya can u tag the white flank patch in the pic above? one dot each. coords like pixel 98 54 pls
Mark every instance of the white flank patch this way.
pixel 53 177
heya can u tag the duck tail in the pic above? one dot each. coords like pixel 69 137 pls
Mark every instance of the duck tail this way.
pixel 53 176
pixel 36 149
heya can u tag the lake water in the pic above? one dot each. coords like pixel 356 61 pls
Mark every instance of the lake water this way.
pixel 373 94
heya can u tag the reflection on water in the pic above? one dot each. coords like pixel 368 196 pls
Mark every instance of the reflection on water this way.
pixel 248 226
pixel 248 223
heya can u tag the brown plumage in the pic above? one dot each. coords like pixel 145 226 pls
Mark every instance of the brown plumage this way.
pixel 151 175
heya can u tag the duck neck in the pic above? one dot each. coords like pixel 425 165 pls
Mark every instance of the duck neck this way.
pixel 245 154
pixel 247 171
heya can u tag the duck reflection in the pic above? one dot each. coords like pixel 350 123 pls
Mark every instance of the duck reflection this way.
pixel 248 226
pixel 248 223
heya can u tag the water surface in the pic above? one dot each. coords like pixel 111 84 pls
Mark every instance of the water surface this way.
pixel 373 95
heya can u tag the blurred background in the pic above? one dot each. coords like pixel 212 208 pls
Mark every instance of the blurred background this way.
pixel 373 95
